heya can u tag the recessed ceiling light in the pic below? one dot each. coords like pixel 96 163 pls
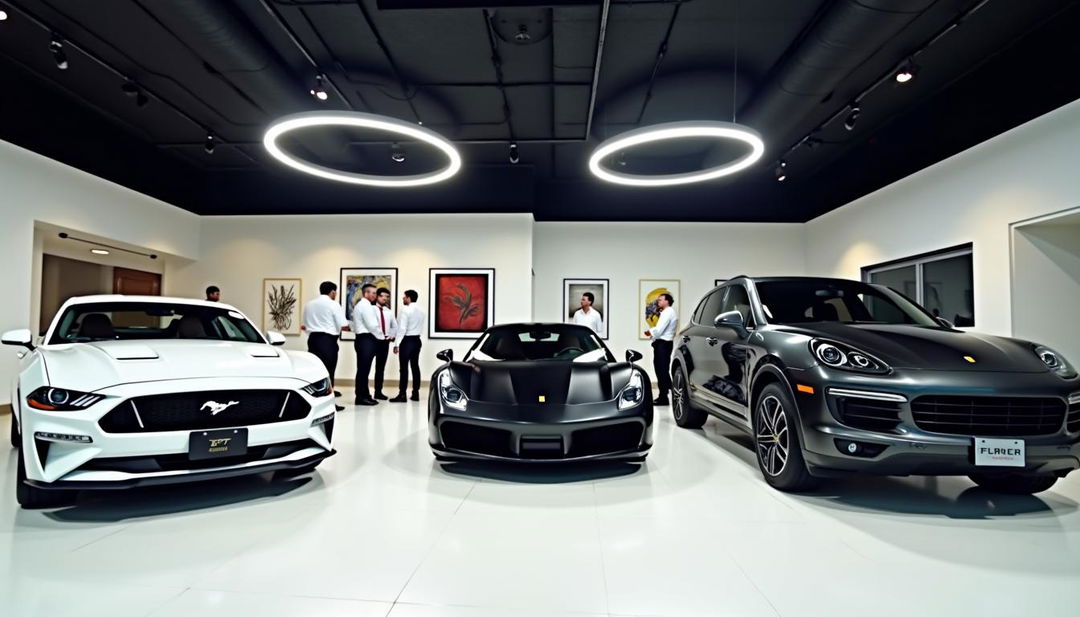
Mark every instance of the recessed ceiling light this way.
pixel 355 119
pixel 319 91
pixel 3 15
pixel 852 117
pixel 58 54
pixel 781 171
pixel 397 154
pixel 209 144
pixel 906 73
pixel 675 131
pixel 99 251
pixel 515 156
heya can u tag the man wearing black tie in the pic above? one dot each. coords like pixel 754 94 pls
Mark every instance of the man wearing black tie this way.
pixel 407 345
pixel 383 336
pixel 365 323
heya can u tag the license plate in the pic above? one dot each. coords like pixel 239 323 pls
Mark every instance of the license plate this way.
pixel 999 452
pixel 225 443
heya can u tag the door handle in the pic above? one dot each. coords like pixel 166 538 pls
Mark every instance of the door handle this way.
pixel 712 341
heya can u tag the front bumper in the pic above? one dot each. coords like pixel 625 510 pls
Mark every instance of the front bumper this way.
pixel 908 449
pixel 122 460
pixel 541 433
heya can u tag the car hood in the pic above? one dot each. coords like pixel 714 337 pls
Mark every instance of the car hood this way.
pixel 523 383
pixel 922 347
pixel 91 366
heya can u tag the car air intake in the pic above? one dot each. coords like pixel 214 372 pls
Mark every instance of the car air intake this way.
pixel 1072 424
pixel 465 437
pixel 541 447
pixel 622 437
pixel 868 414
pixel 193 411
pixel 989 416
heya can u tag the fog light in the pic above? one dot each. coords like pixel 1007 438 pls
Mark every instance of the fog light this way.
pixel 852 448
pixel 62 437
pixel 860 449
pixel 322 420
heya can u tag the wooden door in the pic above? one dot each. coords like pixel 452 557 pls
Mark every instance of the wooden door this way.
pixel 136 282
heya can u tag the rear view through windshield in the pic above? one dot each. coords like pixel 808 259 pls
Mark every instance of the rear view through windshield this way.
pixel 810 300
pixel 122 321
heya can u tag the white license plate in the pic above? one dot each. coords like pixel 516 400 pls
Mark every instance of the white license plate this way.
pixel 999 452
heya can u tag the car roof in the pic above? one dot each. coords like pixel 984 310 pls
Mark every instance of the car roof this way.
pixel 101 298
pixel 775 279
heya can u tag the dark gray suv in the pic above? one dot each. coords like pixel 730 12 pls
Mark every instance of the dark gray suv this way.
pixel 832 377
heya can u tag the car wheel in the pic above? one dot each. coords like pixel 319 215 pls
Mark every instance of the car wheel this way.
pixel 1014 484
pixel 32 498
pixel 686 415
pixel 16 439
pixel 777 443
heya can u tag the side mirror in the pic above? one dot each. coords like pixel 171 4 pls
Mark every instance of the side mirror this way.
pixel 446 355
pixel 945 322
pixel 19 338
pixel 633 356
pixel 275 338
pixel 730 319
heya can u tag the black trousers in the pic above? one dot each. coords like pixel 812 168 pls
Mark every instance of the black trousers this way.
pixel 324 347
pixel 382 352
pixel 409 356
pixel 662 365
pixel 365 346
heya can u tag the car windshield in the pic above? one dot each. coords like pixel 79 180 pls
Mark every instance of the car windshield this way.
pixel 541 343
pixel 817 300
pixel 125 321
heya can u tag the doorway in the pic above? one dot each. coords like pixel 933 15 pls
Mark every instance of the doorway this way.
pixel 1046 282
pixel 63 278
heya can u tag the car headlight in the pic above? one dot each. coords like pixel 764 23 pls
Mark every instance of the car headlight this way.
pixel 633 393
pixel 846 357
pixel 1055 361
pixel 59 399
pixel 323 387
pixel 451 395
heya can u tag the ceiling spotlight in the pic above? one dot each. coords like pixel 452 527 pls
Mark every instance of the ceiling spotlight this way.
pixel 906 73
pixel 210 143
pixel 397 154
pixel 514 156
pixel 781 171
pixel 852 117
pixel 523 35
pixel 99 251
pixel 57 49
pixel 3 15
pixel 620 159
pixel 319 91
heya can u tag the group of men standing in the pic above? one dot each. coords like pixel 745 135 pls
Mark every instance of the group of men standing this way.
pixel 376 329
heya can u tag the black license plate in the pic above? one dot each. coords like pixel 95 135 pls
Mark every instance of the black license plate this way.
pixel 218 444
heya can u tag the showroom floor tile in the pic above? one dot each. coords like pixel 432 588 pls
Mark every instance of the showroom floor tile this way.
pixel 382 530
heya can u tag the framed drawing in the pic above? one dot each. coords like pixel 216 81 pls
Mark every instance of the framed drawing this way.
pixel 574 289
pixel 649 291
pixel 281 305
pixel 462 302
pixel 352 283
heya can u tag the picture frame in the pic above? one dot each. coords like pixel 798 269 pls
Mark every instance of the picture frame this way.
pixel 648 291
pixel 573 288
pixel 719 282
pixel 282 305
pixel 351 283
pixel 461 302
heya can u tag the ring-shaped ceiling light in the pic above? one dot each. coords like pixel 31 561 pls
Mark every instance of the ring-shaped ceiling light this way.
pixel 309 119
pixel 677 130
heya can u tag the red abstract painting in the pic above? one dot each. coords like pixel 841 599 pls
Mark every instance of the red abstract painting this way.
pixel 461 302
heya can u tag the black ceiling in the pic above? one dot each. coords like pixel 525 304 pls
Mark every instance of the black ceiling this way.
pixel 783 67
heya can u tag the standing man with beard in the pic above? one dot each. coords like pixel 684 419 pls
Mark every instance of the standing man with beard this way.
pixel 386 332
pixel 324 319
pixel 407 345
pixel 365 324
pixel 663 335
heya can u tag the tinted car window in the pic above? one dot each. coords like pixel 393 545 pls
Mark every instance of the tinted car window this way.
pixel 710 307
pixel 111 321
pixel 736 300
pixel 532 343
pixel 810 300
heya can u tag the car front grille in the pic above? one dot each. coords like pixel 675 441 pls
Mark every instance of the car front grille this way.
pixel 868 414
pixel 192 411
pixel 1073 421
pixel 181 462
pixel 988 416
pixel 606 439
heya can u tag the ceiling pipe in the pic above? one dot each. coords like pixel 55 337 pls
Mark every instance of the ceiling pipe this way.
pixel 846 36
pixel 604 10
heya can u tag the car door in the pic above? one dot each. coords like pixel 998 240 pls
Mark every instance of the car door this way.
pixel 727 353
pixel 692 341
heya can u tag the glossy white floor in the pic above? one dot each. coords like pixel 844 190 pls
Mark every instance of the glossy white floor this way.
pixel 382 530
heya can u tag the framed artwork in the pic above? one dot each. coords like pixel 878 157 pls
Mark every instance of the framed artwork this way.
pixel 352 283
pixel 573 289
pixel 719 282
pixel 462 302
pixel 649 291
pixel 281 305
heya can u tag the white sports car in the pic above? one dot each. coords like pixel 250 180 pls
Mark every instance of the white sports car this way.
pixel 132 391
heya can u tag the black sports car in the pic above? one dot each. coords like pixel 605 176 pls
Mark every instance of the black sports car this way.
pixel 833 376
pixel 540 392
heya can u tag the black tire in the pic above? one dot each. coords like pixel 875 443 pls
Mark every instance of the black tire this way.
pixel 16 438
pixel 31 498
pixel 1014 484
pixel 778 442
pixel 686 415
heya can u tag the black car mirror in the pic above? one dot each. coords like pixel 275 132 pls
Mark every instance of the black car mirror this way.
pixel 730 319
pixel 446 355
pixel 633 356
pixel 945 323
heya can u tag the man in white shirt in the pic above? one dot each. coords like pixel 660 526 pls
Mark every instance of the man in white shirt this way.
pixel 663 335
pixel 365 324
pixel 588 316
pixel 324 319
pixel 411 322
pixel 383 336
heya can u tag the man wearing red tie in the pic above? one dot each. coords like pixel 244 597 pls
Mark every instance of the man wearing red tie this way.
pixel 386 333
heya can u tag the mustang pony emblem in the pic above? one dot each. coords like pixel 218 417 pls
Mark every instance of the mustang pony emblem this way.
pixel 216 407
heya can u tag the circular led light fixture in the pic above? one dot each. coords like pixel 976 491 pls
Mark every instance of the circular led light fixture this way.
pixel 293 122
pixel 677 130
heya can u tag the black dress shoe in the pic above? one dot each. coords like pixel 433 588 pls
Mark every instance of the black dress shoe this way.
pixel 660 402
pixel 337 394
pixel 398 399
pixel 381 397
pixel 415 397
pixel 367 402
pixel 339 408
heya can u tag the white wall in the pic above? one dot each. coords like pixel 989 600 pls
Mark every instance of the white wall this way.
pixel 34 189
pixel 971 197
pixel 694 253
pixel 237 253
pixel 1046 285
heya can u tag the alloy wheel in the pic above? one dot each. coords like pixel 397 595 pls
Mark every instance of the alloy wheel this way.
pixel 773 436
pixel 678 396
